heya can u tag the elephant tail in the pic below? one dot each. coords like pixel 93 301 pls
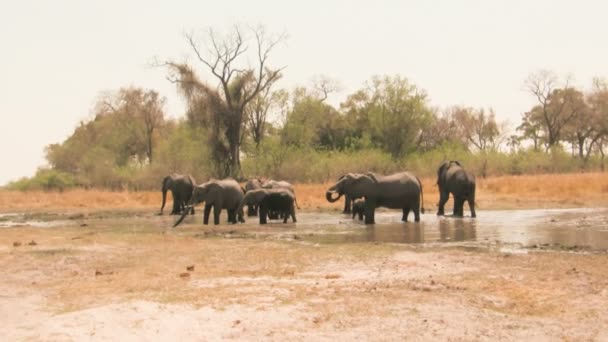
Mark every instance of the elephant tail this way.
pixel 421 197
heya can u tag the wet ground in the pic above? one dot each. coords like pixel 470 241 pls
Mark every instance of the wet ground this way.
pixel 127 275
pixel 568 229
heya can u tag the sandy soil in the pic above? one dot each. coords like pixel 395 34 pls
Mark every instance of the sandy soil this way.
pixel 117 278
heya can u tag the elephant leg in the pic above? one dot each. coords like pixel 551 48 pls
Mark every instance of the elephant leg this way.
pixel 206 213
pixel 231 215
pixel 240 215
pixel 370 208
pixel 262 214
pixel 192 210
pixel 251 210
pixel 443 198
pixel 347 205
pixel 354 214
pixel 458 206
pixel 406 213
pixel 217 209
pixel 416 211
pixel 360 215
pixel 471 201
pixel 285 216
pixel 293 214
pixel 176 203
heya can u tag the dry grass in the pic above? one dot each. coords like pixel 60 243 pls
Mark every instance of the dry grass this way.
pixel 506 192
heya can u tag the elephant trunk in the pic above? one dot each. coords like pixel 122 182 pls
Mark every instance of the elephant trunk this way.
pixel 164 190
pixel 184 214
pixel 328 196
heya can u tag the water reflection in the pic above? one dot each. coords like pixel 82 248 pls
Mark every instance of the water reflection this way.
pixel 542 228
pixel 457 229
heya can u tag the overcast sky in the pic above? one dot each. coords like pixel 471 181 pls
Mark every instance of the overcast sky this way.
pixel 57 56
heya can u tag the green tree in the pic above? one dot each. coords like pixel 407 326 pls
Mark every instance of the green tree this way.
pixel 394 111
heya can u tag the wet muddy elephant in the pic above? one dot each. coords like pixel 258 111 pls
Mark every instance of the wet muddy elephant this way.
pixel 181 187
pixel 279 201
pixel 253 184
pixel 218 194
pixel 453 179
pixel 397 191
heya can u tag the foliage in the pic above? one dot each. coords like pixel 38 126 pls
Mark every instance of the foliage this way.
pixel 44 179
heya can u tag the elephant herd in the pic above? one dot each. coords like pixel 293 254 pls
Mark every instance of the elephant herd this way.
pixel 363 193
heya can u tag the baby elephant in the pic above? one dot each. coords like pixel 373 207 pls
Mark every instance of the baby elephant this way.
pixel 280 201
pixel 358 208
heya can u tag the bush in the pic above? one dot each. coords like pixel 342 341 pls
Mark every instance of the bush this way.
pixel 44 179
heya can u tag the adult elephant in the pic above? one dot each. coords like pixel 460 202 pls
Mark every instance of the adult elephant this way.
pixel 218 194
pixel 280 201
pixel 181 187
pixel 348 201
pixel 453 179
pixel 253 184
pixel 397 191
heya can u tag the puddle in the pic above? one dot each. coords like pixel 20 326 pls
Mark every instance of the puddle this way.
pixel 542 228
pixel 563 229
pixel 11 220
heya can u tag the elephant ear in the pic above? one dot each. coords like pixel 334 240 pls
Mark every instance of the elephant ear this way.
pixel 442 169
pixel 372 176
pixel 455 162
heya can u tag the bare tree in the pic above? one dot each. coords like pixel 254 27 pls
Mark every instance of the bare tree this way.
pixel 478 128
pixel 557 106
pixel 238 87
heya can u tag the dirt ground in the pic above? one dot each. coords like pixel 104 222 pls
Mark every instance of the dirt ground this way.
pixel 127 276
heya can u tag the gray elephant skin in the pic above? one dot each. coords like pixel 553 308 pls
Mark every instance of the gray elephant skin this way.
pixel 348 201
pixel 181 187
pixel 397 191
pixel 253 184
pixel 218 194
pixel 274 184
pixel 453 179
pixel 279 201
pixel 358 208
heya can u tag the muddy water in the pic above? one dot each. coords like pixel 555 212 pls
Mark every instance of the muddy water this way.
pixel 565 229
pixel 562 229
pixel 553 228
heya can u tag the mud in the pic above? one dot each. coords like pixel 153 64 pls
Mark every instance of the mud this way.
pixel 506 275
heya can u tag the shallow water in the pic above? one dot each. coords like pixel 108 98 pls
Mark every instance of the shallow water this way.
pixel 540 228
pixel 563 229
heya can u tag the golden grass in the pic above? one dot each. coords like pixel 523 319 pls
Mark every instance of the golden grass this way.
pixel 526 191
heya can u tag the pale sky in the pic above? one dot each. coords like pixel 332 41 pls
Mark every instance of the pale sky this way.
pixel 57 56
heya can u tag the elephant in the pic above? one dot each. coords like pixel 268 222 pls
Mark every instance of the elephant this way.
pixel 453 179
pixel 274 184
pixel 253 184
pixel 280 201
pixel 181 187
pixel 358 208
pixel 348 201
pixel 397 191
pixel 218 194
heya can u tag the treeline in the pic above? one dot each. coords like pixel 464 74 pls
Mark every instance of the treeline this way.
pixel 237 124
